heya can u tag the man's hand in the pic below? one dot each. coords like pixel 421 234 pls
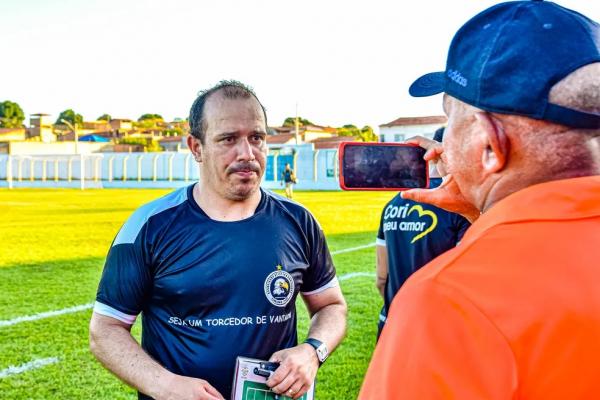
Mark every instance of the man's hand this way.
pixel 433 151
pixel 297 370
pixel 180 387
pixel 448 195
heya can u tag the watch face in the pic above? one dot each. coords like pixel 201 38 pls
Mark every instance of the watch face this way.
pixel 322 353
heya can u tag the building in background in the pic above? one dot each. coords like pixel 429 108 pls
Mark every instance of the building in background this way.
pixel 174 143
pixel 40 128
pixel 11 134
pixel 404 128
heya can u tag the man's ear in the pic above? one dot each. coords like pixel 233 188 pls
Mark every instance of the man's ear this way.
pixel 495 142
pixel 195 147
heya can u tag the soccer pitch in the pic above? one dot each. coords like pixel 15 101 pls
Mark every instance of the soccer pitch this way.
pixel 53 248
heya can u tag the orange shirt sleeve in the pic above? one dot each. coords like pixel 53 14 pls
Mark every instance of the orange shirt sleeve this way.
pixel 438 345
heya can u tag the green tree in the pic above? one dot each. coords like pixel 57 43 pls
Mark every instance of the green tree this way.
pixel 148 144
pixel 11 115
pixel 146 117
pixel 105 117
pixel 173 132
pixel 367 134
pixel 348 130
pixel 291 121
pixel 71 116
pixel 149 121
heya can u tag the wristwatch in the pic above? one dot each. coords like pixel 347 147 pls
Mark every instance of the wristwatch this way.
pixel 320 348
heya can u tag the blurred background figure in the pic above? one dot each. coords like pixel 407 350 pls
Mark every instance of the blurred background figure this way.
pixel 410 235
pixel 289 179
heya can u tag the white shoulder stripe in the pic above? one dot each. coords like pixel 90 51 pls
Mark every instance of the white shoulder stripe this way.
pixel 332 283
pixel 108 311
pixel 134 224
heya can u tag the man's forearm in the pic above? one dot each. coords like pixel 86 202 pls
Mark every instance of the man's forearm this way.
pixel 329 325
pixel 381 268
pixel 118 351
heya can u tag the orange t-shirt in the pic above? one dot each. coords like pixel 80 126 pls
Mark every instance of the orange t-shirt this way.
pixel 513 312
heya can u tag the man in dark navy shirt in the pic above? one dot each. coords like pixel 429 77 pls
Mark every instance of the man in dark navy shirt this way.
pixel 215 268
pixel 289 178
pixel 410 235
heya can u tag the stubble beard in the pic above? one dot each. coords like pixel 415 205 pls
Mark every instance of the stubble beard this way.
pixel 236 189
pixel 240 189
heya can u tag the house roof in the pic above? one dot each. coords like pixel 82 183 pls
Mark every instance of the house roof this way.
pixel 303 128
pixel 428 120
pixel 93 138
pixel 281 138
pixel 317 128
pixel 331 142
pixel 171 139
pixel 4 131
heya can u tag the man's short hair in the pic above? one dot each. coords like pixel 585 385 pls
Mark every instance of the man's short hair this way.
pixel 230 89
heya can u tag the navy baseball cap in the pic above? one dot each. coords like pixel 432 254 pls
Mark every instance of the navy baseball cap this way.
pixel 507 58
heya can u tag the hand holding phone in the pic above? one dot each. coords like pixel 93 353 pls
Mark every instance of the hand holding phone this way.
pixel 446 196
pixel 382 166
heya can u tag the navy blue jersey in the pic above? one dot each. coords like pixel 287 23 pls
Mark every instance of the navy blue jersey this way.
pixel 288 175
pixel 210 291
pixel 414 234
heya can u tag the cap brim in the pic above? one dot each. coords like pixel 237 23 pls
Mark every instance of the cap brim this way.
pixel 428 85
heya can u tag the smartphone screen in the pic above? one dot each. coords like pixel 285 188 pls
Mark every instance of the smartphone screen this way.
pixel 382 166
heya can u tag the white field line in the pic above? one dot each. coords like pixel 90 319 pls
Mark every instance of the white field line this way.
pixel 365 246
pixel 47 314
pixel 82 307
pixel 351 275
pixel 14 370
pixel 39 363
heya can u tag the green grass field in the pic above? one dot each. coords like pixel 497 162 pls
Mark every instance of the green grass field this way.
pixel 53 248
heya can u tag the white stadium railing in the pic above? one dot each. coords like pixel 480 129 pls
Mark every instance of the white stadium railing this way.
pixel 315 169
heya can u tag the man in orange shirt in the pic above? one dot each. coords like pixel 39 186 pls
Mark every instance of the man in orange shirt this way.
pixel 513 312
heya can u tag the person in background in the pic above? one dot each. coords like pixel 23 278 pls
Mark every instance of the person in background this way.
pixel 289 179
pixel 410 235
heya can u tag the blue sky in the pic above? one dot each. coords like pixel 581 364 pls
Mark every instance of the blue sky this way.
pixel 340 61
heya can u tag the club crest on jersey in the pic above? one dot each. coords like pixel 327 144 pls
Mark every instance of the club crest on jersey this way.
pixel 279 287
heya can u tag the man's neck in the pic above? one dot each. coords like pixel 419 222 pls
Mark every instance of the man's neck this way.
pixel 508 184
pixel 219 208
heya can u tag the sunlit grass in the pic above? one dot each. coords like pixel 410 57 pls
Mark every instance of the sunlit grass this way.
pixel 53 248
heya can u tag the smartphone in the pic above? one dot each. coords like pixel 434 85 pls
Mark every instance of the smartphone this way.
pixel 382 166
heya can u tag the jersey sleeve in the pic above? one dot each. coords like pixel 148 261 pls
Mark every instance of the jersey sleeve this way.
pixel 380 240
pixel 126 280
pixel 437 345
pixel 320 275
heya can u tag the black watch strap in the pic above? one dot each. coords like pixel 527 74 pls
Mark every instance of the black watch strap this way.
pixel 318 346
